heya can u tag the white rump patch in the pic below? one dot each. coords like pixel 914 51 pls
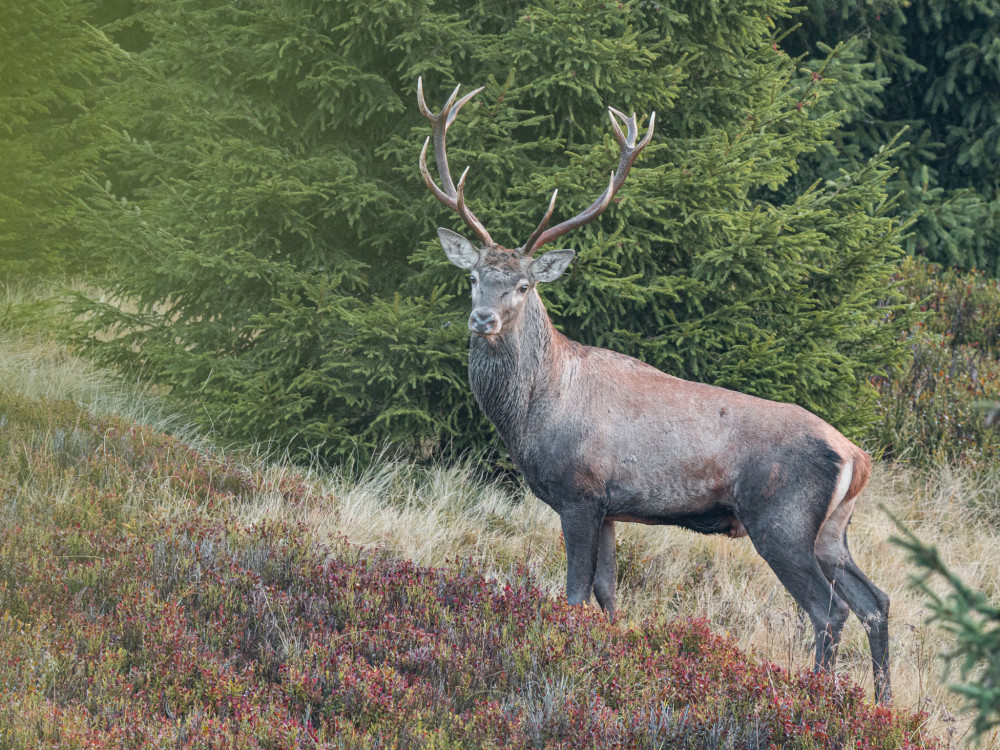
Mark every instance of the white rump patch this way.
pixel 828 542
pixel 843 484
pixel 846 475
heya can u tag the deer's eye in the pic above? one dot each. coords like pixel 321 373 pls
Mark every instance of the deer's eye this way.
pixel 472 279
pixel 523 288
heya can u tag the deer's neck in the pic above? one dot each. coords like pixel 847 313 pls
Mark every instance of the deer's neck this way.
pixel 506 370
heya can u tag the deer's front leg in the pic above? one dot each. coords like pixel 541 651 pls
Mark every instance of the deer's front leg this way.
pixel 606 578
pixel 582 535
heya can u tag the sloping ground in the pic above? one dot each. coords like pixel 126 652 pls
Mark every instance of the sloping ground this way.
pixel 138 612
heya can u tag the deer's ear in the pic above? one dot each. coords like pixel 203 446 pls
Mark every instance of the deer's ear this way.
pixel 458 249
pixel 552 265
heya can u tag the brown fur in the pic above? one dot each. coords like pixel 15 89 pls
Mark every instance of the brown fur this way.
pixel 501 257
pixel 774 480
pixel 862 470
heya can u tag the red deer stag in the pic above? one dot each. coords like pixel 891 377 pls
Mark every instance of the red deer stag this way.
pixel 602 437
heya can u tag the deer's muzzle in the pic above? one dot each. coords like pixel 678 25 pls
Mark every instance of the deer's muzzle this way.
pixel 484 322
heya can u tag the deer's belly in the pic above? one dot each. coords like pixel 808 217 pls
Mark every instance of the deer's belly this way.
pixel 700 501
pixel 720 521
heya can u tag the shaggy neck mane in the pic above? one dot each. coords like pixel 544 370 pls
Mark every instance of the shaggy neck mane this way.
pixel 504 370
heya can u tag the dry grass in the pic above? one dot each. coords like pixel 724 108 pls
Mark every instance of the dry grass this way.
pixel 34 364
pixel 442 515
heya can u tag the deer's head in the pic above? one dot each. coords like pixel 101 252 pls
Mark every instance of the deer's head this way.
pixel 501 279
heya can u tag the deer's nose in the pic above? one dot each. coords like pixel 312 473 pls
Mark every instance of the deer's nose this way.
pixel 484 322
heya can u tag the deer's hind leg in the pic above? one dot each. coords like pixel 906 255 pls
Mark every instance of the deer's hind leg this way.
pixel 865 599
pixel 782 504
pixel 786 544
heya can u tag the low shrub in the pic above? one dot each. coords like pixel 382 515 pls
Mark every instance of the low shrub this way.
pixel 199 634
pixel 131 623
pixel 935 408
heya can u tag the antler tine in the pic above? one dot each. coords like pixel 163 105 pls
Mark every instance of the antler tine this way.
pixel 543 223
pixel 649 131
pixel 424 110
pixel 459 104
pixel 460 195
pixel 633 129
pixel 451 196
pixel 438 192
pixel 629 152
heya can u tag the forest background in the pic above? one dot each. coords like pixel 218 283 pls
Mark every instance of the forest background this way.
pixel 244 175
pixel 229 193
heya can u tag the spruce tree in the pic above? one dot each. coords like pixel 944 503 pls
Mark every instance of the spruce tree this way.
pixel 928 66
pixel 51 132
pixel 281 265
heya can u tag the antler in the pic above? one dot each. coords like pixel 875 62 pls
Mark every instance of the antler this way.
pixel 451 196
pixel 629 152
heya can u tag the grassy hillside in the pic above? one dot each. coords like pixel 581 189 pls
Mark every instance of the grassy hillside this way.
pixel 157 593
